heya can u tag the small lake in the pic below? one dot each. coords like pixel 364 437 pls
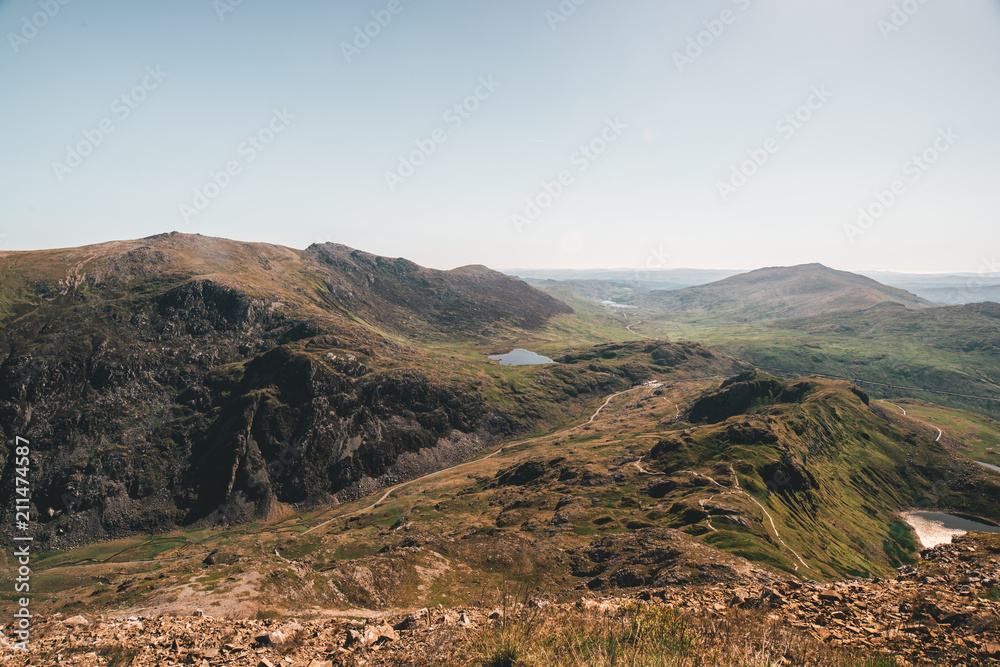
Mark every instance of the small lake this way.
pixel 612 304
pixel 521 357
pixel 934 528
pixel 989 465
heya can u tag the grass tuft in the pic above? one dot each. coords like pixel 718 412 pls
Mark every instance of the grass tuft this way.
pixel 119 655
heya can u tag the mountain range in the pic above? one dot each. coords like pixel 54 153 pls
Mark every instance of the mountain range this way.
pixel 180 379
pixel 325 427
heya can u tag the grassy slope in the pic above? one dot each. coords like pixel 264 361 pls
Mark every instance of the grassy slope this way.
pixel 977 436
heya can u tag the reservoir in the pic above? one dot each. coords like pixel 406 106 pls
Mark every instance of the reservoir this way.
pixel 934 528
pixel 521 357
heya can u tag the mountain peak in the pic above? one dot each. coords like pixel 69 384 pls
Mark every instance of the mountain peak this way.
pixel 785 292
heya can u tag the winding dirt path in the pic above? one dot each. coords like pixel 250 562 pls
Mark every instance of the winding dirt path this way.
pixel 124 562
pixel 393 489
pixel 899 407
pixel 598 411
pixel 919 420
pixel 640 468
pixel 736 481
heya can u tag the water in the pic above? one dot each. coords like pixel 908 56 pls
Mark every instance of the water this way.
pixel 612 304
pixel 989 465
pixel 934 528
pixel 521 357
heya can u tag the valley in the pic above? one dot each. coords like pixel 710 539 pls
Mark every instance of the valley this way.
pixel 805 320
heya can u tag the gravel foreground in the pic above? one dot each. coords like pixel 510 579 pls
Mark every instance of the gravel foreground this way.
pixel 943 611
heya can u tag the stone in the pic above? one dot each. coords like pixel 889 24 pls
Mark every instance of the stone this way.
pixel 380 634
pixel 414 620
pixel 831 596
pixel 353 638
pixel 270 638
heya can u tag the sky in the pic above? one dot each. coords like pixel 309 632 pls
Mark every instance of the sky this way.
pixel 643 134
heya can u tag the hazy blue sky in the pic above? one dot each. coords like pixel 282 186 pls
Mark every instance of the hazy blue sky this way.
pixel 887 80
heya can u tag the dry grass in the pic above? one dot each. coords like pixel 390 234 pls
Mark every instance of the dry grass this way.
pixel 291 643
pixel 120 655
pixel 649 635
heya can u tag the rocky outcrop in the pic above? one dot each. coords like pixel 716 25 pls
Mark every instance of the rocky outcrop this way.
pixel 744 392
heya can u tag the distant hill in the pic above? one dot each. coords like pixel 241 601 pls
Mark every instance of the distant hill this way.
pixel 780 293
pixel 952 289
pixel 959 295
pixel 642 278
